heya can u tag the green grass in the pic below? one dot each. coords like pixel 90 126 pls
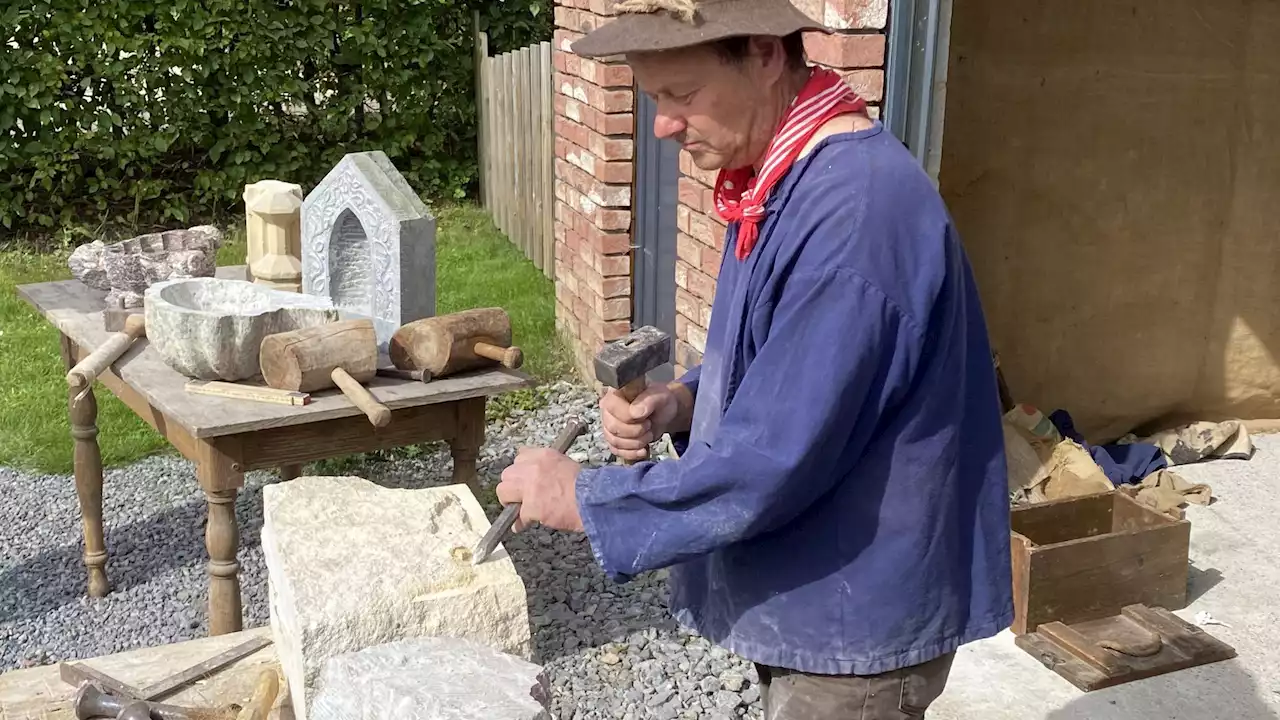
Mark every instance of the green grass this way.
pixel 476 266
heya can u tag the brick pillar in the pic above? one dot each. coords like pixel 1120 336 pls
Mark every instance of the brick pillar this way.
pixel 857 52
pixel 594 125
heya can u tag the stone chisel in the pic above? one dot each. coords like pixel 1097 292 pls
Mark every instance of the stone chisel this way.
pixel 502 526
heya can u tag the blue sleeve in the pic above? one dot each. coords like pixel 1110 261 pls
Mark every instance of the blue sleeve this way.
pixel 690 380
pixel 836 348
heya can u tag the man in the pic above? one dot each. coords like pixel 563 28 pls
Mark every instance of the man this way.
pixel 838 513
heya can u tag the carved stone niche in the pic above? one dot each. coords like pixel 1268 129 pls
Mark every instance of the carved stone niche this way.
pixel 369 245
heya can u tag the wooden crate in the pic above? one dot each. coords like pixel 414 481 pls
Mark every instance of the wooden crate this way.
pixel 1089 557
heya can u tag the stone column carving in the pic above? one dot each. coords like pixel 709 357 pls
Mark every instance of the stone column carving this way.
pixel 273 214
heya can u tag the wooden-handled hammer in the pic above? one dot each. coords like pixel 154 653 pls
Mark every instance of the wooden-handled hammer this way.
pixel 81 376
pixel 448 344
pixel 343 353
pixel 625 362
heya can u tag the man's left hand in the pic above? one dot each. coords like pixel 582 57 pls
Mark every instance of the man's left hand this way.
pixel 543 481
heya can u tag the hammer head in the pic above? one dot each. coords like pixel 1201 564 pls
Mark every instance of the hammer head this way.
pixel 632 356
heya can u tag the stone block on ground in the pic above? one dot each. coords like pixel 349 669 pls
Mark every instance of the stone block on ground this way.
pixel 430 679
pixel 352 565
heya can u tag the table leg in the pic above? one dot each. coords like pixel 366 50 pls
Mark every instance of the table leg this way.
pixel 466 442
pixel 289 472
pixel 221 474
pixel 88 473
pixel 222 538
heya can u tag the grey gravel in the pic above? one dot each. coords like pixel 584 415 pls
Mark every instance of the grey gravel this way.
pixel 611 651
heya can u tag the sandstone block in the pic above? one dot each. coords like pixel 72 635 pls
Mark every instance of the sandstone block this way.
pixel 212 328
pixel 352 565
pixel 431 679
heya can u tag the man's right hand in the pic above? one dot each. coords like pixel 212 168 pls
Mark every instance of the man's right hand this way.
pixel 629 428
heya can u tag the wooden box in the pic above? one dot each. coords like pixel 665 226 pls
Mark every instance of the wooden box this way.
pixel 1089 557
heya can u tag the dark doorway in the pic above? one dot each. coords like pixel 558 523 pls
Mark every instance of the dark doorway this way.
pixel 656 194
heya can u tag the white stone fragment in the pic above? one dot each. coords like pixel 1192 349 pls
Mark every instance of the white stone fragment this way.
pixel 431 679
pixel 351 565
pixel 212 328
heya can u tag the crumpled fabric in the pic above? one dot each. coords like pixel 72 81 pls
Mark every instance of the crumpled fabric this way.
pixel 1165 491
pixel 1123 463
pixel 1040 470
pixel 1193 443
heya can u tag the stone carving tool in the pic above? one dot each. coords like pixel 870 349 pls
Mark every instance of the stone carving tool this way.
pixel 342 353
pixel 92 701
pixel 397 373
pixel 81 376
pixel 448 344
pixel 625 362
pixel 502 526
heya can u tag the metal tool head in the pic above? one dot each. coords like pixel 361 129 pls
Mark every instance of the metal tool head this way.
pixel 632 356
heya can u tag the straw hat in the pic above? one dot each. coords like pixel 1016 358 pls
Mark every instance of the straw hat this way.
pixel 647 25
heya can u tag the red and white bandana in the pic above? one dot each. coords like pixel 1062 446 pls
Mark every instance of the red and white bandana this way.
pixel 741 194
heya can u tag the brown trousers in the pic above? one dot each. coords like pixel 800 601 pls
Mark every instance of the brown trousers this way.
pixel 902 694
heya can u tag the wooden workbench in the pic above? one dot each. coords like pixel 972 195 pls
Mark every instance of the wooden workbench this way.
pixel 226 438
pixel 40 694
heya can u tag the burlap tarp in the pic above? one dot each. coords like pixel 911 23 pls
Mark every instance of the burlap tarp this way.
pixel 1114 170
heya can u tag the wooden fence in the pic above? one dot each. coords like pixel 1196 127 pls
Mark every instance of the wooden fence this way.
pixel 517 146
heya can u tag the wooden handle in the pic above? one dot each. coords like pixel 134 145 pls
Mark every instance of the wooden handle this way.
pixel 360 396
pixel 264 697
pixel 632 390
pixel 511 357
pixel 87 370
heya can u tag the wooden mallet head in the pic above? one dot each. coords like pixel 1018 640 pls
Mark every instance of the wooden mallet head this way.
pixel 457 342
pixel 342 354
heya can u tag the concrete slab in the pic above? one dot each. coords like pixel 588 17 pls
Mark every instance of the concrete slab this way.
pixel 1235 577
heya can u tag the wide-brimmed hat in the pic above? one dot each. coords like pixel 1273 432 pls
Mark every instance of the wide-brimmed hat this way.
pixel 649 25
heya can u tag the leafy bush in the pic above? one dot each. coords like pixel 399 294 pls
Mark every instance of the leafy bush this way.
pixel 146 113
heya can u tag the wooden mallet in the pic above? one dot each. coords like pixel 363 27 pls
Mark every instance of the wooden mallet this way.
pixel 85 372
pixel 342 354
pixel 461 341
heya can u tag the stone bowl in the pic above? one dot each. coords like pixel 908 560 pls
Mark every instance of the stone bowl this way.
pixel 125 269
pixel 212 328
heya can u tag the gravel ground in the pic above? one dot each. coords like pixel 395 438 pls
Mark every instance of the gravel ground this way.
pixel 612 651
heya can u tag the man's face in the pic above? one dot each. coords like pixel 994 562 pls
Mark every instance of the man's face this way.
pixel 707 104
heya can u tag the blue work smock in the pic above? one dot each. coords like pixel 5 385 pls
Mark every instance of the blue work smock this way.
pixel 840 504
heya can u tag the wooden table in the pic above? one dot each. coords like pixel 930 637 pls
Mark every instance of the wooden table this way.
pixel 226 438
pixel 40 694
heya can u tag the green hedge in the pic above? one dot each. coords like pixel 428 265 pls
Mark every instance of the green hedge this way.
pixel 144 112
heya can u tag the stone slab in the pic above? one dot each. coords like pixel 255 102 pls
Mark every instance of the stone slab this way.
pixel 431 679
pixel 352 565
pixel 369 244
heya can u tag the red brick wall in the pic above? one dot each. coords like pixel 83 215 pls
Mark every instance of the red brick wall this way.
pixel 594 107
pixel 857 52
pixel 594 129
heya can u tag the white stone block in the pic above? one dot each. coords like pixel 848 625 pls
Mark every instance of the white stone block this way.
pixel 431 679
pixel 352 565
